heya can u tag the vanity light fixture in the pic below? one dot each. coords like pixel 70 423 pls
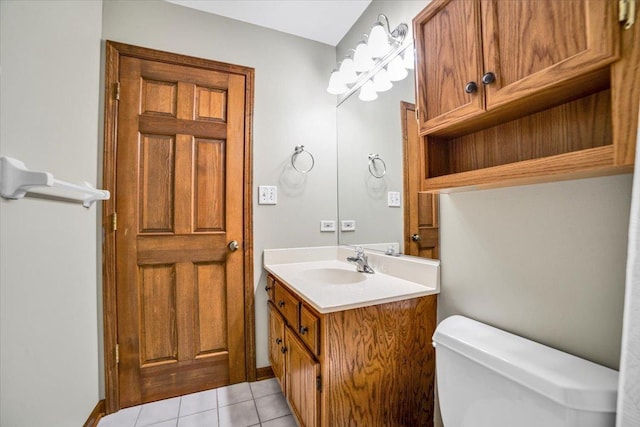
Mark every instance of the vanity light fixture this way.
pixel 375 64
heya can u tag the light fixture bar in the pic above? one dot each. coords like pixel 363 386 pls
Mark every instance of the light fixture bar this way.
pixel 381 63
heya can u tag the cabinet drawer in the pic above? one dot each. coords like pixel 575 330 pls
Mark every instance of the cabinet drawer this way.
pixel 288 305
pixel 270 288
pixel 309 329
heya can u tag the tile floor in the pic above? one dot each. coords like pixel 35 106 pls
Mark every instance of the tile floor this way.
pixel 240 405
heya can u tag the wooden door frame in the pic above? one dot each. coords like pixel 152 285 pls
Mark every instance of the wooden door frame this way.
pixel 114 51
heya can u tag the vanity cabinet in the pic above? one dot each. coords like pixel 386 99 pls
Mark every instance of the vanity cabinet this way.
pixel 367 366
pixel 526 90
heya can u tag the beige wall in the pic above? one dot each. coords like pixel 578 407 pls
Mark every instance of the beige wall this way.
pixel 292 107
pixel 50 59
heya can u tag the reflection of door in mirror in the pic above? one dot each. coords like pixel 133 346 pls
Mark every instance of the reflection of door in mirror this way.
pixel 421 225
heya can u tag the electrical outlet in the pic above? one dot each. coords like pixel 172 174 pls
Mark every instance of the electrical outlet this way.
pixel 328 226
pixel 267 195
pixel 393 199
pixel 348 225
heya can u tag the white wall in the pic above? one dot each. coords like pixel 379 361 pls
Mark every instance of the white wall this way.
pixel 50 59
pixel 545 261
pixel 292 107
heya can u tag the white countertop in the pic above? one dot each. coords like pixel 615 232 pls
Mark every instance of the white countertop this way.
pixel 325 280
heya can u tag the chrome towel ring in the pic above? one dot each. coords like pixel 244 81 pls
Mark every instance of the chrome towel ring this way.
pixel 298 151
pixel 377 166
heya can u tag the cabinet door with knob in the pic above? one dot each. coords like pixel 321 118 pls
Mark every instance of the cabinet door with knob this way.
pixel 510 58
pixel 277 347
pixel 303 381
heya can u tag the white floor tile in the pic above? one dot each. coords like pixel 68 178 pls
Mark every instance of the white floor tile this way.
pixel 154 412
pixel 287 421
pixel 167 423
pixel 235 393
pixel 198 402
pixel 123 418
pixel 264 388
pixel 272 406
pixel 238 415
pixel 201 419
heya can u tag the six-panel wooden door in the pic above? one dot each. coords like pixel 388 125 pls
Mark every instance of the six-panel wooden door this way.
pixel 179 180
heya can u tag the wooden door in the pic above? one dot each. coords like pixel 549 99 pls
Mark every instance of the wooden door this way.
pixel 536 46
pixel 421 226
pixel 448 45
pixel 179 182
pixel 302 381
pixel 276 344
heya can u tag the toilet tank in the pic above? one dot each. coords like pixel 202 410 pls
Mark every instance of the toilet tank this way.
pixel 487 377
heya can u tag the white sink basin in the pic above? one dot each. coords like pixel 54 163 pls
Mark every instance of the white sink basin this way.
pixel 335 276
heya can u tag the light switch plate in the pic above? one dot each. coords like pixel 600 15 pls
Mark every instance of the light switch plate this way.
pixel 393 199
pixel 327 226
pixel 348 225
pixel 267 195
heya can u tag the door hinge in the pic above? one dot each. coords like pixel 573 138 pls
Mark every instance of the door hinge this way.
pixel 319 383
pixel 117 353
pixel 116 91
pixel 114 221
pixel 627 13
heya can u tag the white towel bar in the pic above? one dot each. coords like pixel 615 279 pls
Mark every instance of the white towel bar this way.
pixel 16 181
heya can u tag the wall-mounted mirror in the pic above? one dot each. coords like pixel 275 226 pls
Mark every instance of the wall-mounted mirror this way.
pixel 370 128
pixel 366 129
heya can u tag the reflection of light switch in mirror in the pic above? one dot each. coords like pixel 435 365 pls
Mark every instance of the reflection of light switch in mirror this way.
pixel 267 195
pixel 393 199
pixel 348 225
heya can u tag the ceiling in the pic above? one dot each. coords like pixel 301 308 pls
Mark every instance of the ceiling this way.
pixel 326 21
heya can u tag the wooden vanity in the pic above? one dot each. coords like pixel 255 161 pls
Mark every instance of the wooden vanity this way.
pixel 366 366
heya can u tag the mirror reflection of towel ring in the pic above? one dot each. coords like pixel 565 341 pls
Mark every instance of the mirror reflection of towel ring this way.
pixel 299 150
pixel 377 166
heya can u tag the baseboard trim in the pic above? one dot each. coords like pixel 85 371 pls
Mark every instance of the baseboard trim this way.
pixel 264 373
pixel 96 414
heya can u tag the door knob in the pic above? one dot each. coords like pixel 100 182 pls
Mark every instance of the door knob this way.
pixel 233 245
pixel 415 237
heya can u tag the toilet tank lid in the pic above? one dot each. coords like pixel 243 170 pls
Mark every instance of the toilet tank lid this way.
pixel 566 379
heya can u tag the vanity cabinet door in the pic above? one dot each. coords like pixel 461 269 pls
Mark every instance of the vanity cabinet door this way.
pixel 303 379
pixel 276 344
pixel 288 305
pixel 271 288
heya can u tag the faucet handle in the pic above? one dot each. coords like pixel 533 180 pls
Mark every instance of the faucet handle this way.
pixel 359 251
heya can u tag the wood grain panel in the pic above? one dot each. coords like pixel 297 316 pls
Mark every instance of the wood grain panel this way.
pixel 524 28
pixel 376 379
pixel 162 70
pixel 159 97
pixel 211 104
pixel 288 305
pixel 209 197
pixel 211 313
pixel 454 27
pixel 158 334
pixel 302 373
pixel 172 126
pixel 163 249
pixel 309 329
pixel 156 174
pixel 427 210
pixel 582 124
pixel 276 343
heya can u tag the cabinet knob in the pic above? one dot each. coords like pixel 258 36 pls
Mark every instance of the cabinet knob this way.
pixel 267 288
pixel 278 340
pixel 415 237
pixel 471 87
pixel 303 330
pixel 281 304
pixel 488 78
pixel 283 350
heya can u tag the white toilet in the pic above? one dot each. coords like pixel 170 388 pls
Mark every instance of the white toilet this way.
pixel 487 377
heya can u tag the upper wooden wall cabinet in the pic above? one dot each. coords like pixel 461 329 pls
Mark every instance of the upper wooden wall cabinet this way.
pixel 511 92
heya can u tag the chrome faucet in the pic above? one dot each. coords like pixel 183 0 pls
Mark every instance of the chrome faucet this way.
pixel 361 261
